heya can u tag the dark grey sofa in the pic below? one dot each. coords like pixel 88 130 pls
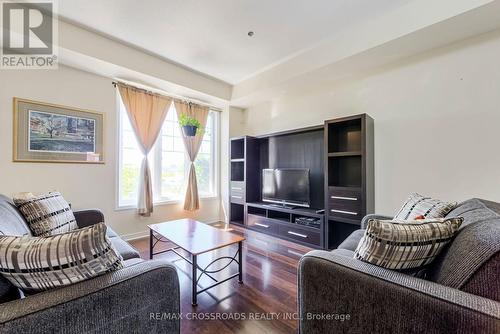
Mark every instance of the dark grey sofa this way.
pixel 124 301
pixel 460 292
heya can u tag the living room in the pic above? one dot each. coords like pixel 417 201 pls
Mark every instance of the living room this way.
pixel 250 166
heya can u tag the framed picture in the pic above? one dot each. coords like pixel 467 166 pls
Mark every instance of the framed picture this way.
pixel 45 132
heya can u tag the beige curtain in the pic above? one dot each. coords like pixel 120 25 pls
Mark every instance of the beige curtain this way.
pixel 146 112
pixel 192 145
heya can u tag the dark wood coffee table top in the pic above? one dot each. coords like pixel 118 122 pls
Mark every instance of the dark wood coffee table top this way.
pixel 195 237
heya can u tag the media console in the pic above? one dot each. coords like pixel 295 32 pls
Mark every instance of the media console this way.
pixel 284 223
pixel 339 156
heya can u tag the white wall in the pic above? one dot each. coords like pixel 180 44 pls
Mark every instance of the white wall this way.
pixel 437 121
pixel 85 186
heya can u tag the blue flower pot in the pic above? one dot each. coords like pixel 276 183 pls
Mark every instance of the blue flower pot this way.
pixel 189 130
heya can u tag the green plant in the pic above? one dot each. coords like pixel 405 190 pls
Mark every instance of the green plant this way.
pixel 185 120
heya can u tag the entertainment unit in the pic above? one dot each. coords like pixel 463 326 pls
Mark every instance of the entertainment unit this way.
pixel 282 222
pixel 339 159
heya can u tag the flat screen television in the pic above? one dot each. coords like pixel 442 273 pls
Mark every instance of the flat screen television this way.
pixel 286 186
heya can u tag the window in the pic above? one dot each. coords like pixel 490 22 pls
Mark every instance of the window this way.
pixel 168 161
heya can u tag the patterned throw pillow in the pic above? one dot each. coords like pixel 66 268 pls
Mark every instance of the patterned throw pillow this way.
pixel 47 214
pixel 418 205
pixel 40 263
pixel 404 245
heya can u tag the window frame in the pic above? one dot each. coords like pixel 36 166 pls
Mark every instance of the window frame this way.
pixel 156 162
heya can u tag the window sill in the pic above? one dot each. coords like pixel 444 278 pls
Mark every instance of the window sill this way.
pixel 163 203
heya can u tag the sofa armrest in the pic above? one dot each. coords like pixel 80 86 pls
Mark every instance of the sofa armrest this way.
pixel 379 300
pixel 364 221
pixel 89 217
pixel 124 301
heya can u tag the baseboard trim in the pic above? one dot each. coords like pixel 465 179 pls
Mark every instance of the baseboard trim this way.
pixel 134 236
pixel 145 233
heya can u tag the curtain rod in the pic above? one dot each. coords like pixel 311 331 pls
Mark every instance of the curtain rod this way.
pixel 151 90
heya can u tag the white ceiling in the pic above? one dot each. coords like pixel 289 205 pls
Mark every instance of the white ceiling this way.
pixel 210 36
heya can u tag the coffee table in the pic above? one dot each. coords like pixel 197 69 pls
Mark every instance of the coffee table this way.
pixel 197 238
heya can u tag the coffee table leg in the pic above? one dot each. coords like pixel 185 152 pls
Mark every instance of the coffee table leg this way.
pixel 150 244
pixel 240 260
pixel 193 278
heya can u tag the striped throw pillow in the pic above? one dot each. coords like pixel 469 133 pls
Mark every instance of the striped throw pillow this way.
pixel 418 205
pixel 405 244
pixel 35 264
pixel 47 214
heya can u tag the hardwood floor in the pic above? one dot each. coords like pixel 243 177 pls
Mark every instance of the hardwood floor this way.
pixel 266 302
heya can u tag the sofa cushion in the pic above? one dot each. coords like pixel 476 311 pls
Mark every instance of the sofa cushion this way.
pixel 417 205
pixel 352 241
pixel 474 210
pixel 11 220
pixel 474 250
pixel 126 251
pixel 11 223
pixel 484 282
pixel 404 245
pixel 35 264
pixel 47 214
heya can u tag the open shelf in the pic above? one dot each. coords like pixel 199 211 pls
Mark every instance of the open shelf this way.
pixel 345 171
pixel 237 171
pixel 257 211
pixel 344 136
pixel 279 215
pixel 317 225
pixel 338 232
pixel 238 148
pixel 237 213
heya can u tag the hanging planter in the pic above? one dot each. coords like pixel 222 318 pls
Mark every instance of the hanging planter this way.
pixel 190 125
pixel 189 130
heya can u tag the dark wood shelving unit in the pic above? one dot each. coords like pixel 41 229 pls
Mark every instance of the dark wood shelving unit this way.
pixel 243 157
pixel 339 156
pixel 349 179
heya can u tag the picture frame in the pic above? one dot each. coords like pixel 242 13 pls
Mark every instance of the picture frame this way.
pixel 51 133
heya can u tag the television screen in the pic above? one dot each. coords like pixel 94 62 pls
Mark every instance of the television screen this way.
pixel 286 186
